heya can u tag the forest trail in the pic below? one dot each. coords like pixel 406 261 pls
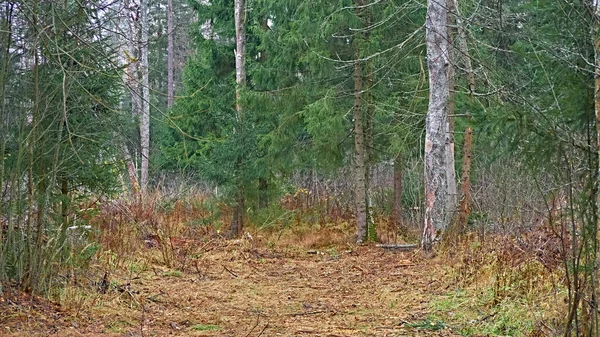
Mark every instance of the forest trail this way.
pixel 235 289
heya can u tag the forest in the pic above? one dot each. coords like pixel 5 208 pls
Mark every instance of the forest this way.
pixel 299 168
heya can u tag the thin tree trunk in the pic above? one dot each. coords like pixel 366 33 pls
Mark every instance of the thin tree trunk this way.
pixel 596 43
pixel 463 48
pixel 465 185
pixel 237 221
pixel 145 117
pixel 397 209
pixel 131 172
pixel 170 55
pixel 369 131
pixel 132 51
pixel 7 32
pixel 435 134
pixel 359 156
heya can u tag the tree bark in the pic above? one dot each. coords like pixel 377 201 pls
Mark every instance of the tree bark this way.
pixel 131 49
pixel 369 130
pixel 463 48
pixel 596 43
pixel 237 221
pixel 450 167
pixel 435 134
pixel 145 117
pixel 465 185
pixel 6 44
pixel 170 55
pixel 397 209
pixel 240 51
pixel 359 156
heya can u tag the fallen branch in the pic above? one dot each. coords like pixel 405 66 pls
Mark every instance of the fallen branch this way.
pixel 307 313
pixel 230 272
pixel 398 247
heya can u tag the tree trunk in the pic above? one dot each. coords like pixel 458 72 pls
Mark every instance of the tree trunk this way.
pixel 450 169
pixel 131 172
pixel 465 185
pixel 397 209
pixel 145 117
pixel 369 132
pixel 237 221
pixel 359 156
pixel 170 55
pixel 463 48
pixel 132 51
pixel 596 43
pixel 6 44
pixel 240 51
pixel 435 126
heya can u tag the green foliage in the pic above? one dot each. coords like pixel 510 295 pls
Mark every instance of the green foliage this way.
pixel 58 130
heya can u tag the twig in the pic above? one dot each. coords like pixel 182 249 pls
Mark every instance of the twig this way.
pixel 399 247
pixel 255 325
pixel 307 313
pixel 263 330
pixel 230 272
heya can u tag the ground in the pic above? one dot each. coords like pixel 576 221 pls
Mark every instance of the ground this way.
pixel 242 288
pixel 237 289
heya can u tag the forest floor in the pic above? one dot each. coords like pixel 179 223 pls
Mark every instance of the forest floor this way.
pixel 237 288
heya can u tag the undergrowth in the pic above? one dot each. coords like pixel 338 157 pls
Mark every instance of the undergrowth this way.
pixel 504 286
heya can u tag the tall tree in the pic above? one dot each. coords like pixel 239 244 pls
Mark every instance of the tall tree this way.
pixel 145 113
pixel 436 122
pixel 170 55
pixel 237 221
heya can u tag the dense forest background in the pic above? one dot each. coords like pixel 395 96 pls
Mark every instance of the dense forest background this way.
pixel 416 122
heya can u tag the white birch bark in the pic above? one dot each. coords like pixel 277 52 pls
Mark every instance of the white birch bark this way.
pixel 240 80
pixel 436 122
pixel 240 50
pixel 145 117
pixel 170 55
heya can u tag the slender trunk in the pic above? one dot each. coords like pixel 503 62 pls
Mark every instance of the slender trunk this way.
pixel 170 55
pixel 359 155
pixel 465 185
pixel 237 221
pixel 35 185
pixel 240 51
pixel 397 209
pixel 435 134
pixel 263 193
pixel 369 132
pixel 131 172
pixel 132 51
pixel 145 117
pixel 463 48
pixel 596 43
pixel 7 33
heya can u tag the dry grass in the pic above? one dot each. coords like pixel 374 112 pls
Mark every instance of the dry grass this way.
pixel 161 273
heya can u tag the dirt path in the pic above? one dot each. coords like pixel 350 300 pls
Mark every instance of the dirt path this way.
pixel 245 291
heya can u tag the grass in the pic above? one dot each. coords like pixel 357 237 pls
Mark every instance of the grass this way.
pixel 173 273
pixel 205 327
pixel 428 324
pixel 118 326
pixel 343 290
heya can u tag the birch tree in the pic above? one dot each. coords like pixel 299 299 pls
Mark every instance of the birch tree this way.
pixel 240 80
pixel 145 116
pixel 170 55
pixel 436 122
